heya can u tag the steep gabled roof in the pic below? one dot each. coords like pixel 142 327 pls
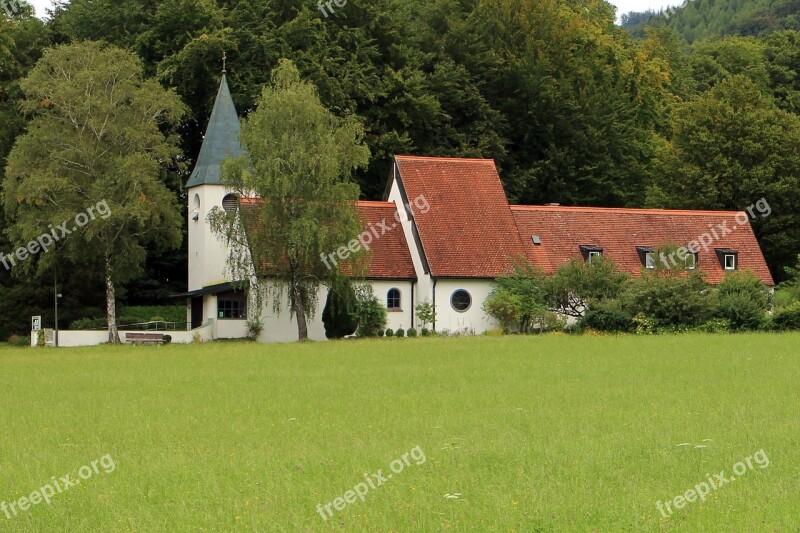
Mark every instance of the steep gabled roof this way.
pixel 221 140
pixel 563 230
pixel 468 230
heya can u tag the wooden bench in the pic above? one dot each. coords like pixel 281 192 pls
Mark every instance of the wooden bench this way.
pixel 144 338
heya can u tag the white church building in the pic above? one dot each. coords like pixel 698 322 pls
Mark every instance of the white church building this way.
pixel 443 233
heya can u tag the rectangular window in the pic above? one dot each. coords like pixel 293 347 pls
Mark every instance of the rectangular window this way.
pixel 594 254
pixel 730 262
pixel 691 261
pixel 232 306
pixel 649 260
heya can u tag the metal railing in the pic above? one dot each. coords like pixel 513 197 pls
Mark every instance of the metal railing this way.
pixel 156 325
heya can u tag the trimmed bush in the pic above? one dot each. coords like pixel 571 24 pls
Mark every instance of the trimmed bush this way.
pixel 400 332
pixel 425 332
pixel 389 332
pixel 380 333
pixel 787 318
pixel 607 316
pixel 742 311
pixel 412 332
pixel 167 339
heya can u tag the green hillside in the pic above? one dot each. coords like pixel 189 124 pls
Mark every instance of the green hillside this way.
pixel 700 19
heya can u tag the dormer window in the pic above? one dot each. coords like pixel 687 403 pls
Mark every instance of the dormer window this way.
pixel 691 261
pixel 647 256
pixel 590 252
pixel 728 259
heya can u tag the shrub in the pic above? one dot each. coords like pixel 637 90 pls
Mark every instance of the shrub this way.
pixel 41 340
pixel 519 301
pixel 380 333
pixel 716 325
pixel 644 325
pixel 167 339
pixel 425 332
pixel 742 311
pixel 371 313
pixel 389 332
pixel 745 283
pixel 253 327
pixel 669 299
pixel 504 307
pixel 412 332
pixel 787 318
pixel 607 316
pixel 19 340
pixel 425 313
pixel 579 283
pixel 550 321
pixel 400 333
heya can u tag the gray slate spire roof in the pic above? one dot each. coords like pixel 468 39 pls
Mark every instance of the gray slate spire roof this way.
pixel 221 140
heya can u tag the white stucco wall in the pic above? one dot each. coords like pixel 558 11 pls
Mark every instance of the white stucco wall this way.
pixel 73 339
pixel 397 319
pixel 473 318
pixel 207 254
pixel 423 289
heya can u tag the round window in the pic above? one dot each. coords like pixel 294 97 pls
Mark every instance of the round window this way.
pixel 461 300
pixel 230 203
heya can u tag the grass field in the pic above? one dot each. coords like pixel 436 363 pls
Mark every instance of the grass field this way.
pixel 552 433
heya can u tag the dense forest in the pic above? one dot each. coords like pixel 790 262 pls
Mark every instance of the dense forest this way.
pixel 573 108
pixel 696 20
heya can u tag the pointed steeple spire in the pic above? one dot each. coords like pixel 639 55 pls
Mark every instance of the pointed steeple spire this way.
pixel 220 141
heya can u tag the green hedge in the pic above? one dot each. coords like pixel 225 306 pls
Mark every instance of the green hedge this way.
pixel 135 315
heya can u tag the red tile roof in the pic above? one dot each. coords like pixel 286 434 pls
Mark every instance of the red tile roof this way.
pixel 563 230
pixel 390 256
pixel 469 231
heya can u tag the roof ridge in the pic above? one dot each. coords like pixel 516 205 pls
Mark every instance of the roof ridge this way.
pixel 376 203
pixel 436 158
pixel 620 209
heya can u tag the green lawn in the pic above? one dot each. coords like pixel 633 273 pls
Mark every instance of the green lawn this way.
pixel 553 433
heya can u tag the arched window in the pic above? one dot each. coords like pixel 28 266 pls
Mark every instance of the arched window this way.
pixel 195 212
pixel 461 300
pixel 230 203
pixel 393 299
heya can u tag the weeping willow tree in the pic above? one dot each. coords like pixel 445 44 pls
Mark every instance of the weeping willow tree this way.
pixel 299 166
